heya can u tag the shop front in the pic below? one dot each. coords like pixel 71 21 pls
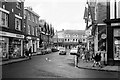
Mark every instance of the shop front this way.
pixel 116 44
pixel 32 42
pixel 15 47
pixel 11 45
pixel 113 41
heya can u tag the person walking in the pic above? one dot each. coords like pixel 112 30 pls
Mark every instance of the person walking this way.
pixel 97 59
pixel 30 52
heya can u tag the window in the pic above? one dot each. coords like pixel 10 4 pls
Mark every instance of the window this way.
pixel 18 24
pixel 83 40
pixel 65 39
pixel 29 16
pixel 29 29
pixel 73 39
pixel 68 40
pixel 32 30
pixel 32 17
pixel 76 40
pixel 18 5
pixel 3 19
pixel 36 31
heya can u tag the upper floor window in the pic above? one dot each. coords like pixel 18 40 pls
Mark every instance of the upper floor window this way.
pixel 36 31
pixel 3 19
pixel 83 40
pixel 75 35
pixel 76 40
pixel 28 29
pixel 32 30
pixel 67 35
pixel 68 40
pixel 18 5
pixel 65 39
pixel 32 17
pixel 18 24
pixel 29 17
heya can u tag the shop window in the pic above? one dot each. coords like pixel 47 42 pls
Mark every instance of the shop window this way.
pixel 3 48
pixel 117 49
pixel 3 19
pixel 18 24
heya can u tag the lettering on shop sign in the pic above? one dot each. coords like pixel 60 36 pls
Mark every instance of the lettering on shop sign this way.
pixel 2 33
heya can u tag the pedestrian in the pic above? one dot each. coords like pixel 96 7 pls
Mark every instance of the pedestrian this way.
pixel 77 57
pixel 30 52
pixel 87 55
pixel 97 59
pixel 26 52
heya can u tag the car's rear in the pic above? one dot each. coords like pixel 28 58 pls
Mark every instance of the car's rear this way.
pixel 62 51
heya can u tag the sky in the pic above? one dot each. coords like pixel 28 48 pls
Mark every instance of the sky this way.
pixel 62 14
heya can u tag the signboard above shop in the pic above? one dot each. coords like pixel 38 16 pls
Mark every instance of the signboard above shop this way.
pixel 2 33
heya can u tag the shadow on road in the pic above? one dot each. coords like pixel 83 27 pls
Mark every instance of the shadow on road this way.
pixel 71 64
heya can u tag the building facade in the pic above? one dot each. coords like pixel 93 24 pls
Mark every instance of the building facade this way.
pixel 31 26
pixel 46 34
pixel 113 32
pixel 70 38
pixel 100 14
pixel 11 29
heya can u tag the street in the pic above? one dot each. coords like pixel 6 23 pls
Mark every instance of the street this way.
pixel 51 65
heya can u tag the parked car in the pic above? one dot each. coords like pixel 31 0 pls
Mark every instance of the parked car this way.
pixel 54 49
pixel 62 51
pixel 73 51
pixel 48 50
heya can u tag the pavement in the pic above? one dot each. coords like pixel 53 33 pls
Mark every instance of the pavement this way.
pixel 82 64
pixel 88 65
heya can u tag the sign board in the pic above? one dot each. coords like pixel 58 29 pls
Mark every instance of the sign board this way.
pixel 2 33
pixel 103 36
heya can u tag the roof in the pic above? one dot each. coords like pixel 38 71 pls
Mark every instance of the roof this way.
pixel 30 10
pixel 79 32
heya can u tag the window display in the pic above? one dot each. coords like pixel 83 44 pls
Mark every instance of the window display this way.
pixel 15 48
pixel 117 50
pixel 3 47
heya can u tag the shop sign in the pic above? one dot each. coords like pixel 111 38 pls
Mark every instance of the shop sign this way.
pixel 103 36
pixel 117 32
pixel 2 33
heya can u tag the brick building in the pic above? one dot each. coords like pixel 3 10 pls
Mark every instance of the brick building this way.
pixel 31 24
pixel 11 29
